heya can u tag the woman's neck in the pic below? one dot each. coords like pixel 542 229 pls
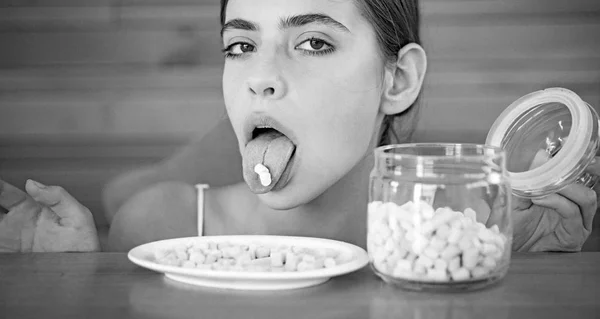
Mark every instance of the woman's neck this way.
pixel 339 213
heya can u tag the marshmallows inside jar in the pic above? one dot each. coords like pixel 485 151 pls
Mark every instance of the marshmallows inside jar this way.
pixel 418 242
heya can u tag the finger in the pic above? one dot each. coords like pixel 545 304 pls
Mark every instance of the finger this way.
pixel 520 203
pixel 498 214
pixel 25 209
pixel 539 158
pixel 552 242
pixel 594 167
pixel 19 224
pixel 11 196
pixel 565 208
pixel 572 222
pixel 585 198
pixel 54 197
pixel 569 233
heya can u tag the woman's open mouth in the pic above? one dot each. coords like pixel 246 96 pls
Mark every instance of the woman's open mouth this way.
pixel 267 157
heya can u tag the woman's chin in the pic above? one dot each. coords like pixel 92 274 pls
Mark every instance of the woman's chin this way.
pixel 281 200
pixel 288 197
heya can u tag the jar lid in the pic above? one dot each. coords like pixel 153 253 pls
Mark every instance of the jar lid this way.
pixel 546 135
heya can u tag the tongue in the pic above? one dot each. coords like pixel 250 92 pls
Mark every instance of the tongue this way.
pixel 272 150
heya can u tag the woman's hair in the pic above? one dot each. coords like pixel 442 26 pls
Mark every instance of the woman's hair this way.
pixel 396 24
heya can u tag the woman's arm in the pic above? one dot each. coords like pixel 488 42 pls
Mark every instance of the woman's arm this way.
pixel 213 159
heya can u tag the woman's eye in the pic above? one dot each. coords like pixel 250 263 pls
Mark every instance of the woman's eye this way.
pixel 238 48
pixel 315 45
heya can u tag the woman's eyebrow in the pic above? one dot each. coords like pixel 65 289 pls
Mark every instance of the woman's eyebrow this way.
pixel 289 22
pixel 240 24
pixel 304 19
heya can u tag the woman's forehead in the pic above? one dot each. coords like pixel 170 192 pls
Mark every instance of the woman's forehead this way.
pixel 271 13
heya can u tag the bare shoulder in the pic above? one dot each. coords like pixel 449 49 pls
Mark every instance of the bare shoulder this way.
pixel 169 210
pixel 164 210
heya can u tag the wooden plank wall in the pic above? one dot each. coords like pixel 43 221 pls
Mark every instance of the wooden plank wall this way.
pixel 90 88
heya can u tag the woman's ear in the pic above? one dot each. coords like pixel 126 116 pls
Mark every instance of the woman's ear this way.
pixel 404 79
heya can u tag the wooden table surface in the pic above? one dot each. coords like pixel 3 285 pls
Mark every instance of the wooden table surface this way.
pixel 107 285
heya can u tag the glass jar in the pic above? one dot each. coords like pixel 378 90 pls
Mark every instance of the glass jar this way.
pixel 439 216
pixel 550 137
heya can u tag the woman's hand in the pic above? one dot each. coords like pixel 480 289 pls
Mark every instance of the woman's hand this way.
pixel 558 222
pixel 44 219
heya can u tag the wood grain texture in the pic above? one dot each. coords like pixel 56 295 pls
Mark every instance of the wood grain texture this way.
pixel 106 285
pixel 80 164
pixel 444 76
pixel 91 88
pixel 164 46
pixel 182 102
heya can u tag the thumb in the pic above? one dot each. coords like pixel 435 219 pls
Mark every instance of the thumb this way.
pixel 539 158
pixel 520 203
pixel 54 197
pixel 594 167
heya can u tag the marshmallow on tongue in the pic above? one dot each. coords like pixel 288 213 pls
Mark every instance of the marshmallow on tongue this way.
pixel 271 151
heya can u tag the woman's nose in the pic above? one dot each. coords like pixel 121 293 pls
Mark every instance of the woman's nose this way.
pixel 269 87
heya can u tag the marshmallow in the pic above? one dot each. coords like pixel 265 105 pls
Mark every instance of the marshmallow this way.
pixel 454 264
pixel 329 262
pixel 470 258
pixel 437 274
pixel 263 174
pixel 461 274
pixel 479 272
pixel 450 252
pixel 225 256
pixel 416 242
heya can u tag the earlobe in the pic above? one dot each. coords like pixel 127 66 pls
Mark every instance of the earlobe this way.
pixel 404 79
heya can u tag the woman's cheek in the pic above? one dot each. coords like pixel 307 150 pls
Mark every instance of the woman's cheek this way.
pixel 355 117
pixel 338 144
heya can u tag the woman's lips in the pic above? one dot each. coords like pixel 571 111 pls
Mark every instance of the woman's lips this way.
pixel 257 120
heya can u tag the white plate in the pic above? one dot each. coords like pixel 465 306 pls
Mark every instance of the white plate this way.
pixel 143 255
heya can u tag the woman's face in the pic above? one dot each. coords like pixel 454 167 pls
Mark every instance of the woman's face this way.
pixel 313 67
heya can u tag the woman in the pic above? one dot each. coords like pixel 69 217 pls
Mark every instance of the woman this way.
pixel 310 87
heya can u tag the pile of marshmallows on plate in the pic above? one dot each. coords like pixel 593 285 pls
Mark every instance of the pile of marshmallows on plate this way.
pixel 418 242
pixel 252 257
